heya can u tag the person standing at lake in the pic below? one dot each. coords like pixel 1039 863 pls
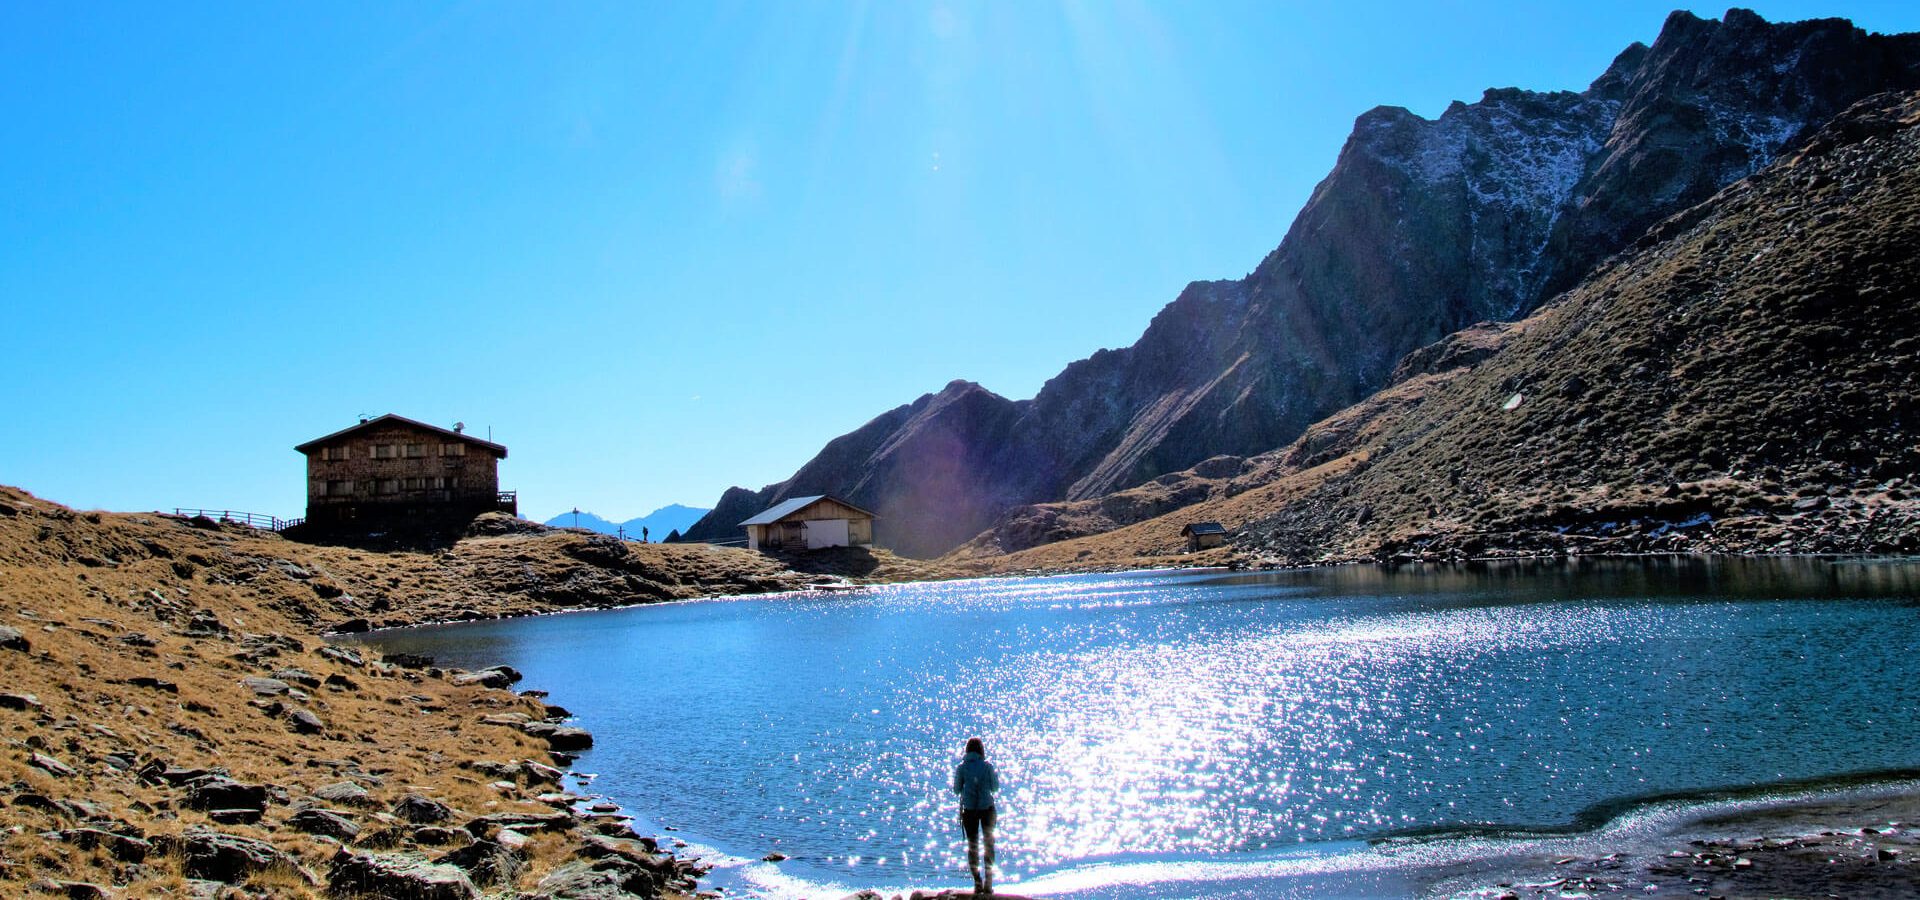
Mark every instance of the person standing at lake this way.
pixel 975 780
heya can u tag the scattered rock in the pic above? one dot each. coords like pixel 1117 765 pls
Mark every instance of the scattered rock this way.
pixel 148 681
pixel 604 880
pixel 441 836
pixel 560 737
pixel 499 677
pixel 525 823
pixel 297 676
pixel 266 687
pixel 12 639
pixel 19 701
pixel 487 862
pixel 342 654
pixel 399 876
pixel 230 858
pixel 119 846
pixel 345 793
pixel 303 721
pixel 235 816
pixel 221 792
pixel 351 626
pixel 317 820
pixel 422 810
pixel 50 765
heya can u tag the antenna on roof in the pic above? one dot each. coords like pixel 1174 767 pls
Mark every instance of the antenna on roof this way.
pixel 365 418
pixel 459 427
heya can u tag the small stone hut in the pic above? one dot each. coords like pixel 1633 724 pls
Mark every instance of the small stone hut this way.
pixel 392 468
pixel 1204 535
pixel 810 523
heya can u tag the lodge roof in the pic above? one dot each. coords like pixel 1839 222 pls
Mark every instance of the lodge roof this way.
pixel 1203 528
pixel 786 508
pixel 390 418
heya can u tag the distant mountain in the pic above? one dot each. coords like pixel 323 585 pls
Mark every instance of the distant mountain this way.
pixel 1423 228
pixel 658 523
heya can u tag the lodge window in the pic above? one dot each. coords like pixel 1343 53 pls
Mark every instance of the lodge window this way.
pixel 389 486
pixel 339 487
pixel 453 449
pixel 386 451
pixel 336 453
pixel 415 451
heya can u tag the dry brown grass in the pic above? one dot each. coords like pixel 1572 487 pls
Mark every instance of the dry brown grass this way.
pixel 81 586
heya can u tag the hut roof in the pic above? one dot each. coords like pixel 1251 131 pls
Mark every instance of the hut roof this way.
pixel 497 449
pixel 786 508
pixel 1203 528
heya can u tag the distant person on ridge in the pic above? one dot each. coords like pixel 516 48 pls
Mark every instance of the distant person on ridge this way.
pixel 975 781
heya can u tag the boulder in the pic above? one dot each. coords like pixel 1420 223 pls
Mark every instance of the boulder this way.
pixel 601 847
pixel 607 879
pixel 50 765
pixel 297 676
pixel 343 655
pixel 12 639
pixel 230 858
pixel 500 677
pixel 124 848
pixel 19 701
pixel 422 810
pixel 441 836
pixel 351 626
pixel 303 721
pixel 486 862
pixel 560 737
pixel 327 822
pixel 345 793
pixel 397 876
pixel 525 823
pixel 221 792
pixel 265 687
pixel 235 816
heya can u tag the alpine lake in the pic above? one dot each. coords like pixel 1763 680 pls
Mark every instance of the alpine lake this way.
pixel 1223 734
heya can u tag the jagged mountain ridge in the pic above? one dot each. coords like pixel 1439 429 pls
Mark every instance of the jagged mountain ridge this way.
pixel 1422 228
pixel 1746 378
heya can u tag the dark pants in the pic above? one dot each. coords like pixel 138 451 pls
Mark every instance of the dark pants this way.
pixel 974 822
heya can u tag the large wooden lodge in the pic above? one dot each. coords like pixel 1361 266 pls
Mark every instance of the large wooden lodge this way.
pixel 392 469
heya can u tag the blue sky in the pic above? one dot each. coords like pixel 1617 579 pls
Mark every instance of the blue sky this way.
pixel 657 249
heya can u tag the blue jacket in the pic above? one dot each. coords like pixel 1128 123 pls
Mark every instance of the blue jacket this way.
pixel 975 781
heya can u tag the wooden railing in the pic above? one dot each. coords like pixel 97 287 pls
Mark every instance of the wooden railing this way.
pixel 251 520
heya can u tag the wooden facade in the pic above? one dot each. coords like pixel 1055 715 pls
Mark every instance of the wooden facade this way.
pixel 810 523
pixel 1204 536
pixel 393 467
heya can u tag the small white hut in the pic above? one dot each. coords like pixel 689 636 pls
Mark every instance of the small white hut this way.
pixel 810 523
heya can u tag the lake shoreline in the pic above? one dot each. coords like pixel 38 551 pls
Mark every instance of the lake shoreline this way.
pixel 1861 841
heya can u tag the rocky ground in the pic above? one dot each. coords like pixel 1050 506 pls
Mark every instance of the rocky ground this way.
pixel 172 725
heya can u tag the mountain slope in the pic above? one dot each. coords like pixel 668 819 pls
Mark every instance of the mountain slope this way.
pixel 1423 227
pixel 1747 379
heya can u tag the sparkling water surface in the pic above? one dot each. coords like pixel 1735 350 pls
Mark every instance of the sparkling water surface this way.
pixel 1189 718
